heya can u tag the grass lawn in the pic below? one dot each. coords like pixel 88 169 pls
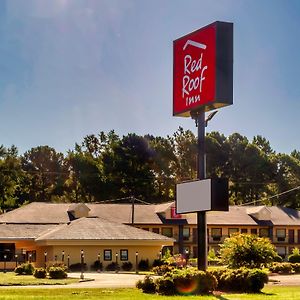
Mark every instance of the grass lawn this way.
pixel 269 293
pixel 10 278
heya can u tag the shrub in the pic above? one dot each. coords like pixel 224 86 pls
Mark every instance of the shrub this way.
pixel 24 269
pixel 40 273
pixel 56 265
pixel 180 281
pixel 113 267
pixel 147 285
pixel 247 250
pixel 281 268
pixel 143 265
pixel 77 267
pixel 165 286
pixel 157 262
pixel 163 269
pixel 57 273
pixel 97 266
pixel 296 267
pixel 278 258
pixel 242 279
pixel 127 266
pixel 295 256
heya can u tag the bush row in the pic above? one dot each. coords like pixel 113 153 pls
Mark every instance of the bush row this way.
pixel 54 272
pixel 179 281
pixel 190 280
pixel 285 268
pixel 241 279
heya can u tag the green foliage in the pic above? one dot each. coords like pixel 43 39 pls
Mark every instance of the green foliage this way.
pixel 57 273
pixel 106 166
pixel 24 269
pixel 40 273
pixel 281 267
pixel 147 285
pixel 112 267
pixel 157 262
pixel 143 265
pixel 77 267
pixel 126 266
pixel 97 266
pixel 247 250
pixel 163 269
pixel 295 256
pixel 242 279
pixel 296 267
pixel 180 281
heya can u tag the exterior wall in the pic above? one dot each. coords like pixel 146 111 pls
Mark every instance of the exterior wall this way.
pixel 189 244
pixel 91 254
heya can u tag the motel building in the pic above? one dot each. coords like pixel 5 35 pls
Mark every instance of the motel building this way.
pixel 47 232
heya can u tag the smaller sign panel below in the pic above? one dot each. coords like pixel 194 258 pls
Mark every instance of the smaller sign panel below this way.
pixel 193 196
pixel 202 195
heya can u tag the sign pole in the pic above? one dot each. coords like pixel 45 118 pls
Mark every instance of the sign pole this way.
pixel 201 215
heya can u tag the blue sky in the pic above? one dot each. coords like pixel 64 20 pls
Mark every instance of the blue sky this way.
pixel 69 68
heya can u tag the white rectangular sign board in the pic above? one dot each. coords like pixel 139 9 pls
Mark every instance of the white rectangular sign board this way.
pixel 193 196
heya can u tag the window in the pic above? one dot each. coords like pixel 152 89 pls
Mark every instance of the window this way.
pixel 254 231
pixel 244 230
pixel 216 234
pixel 280 234
pixel 263 232
pixel 155 230
pixel 107 255
pixel 281 251
pixel 123 254
pixel 186 233
pixel 232 231
pixel 167 231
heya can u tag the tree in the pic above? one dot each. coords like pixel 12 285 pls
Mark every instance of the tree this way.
pixel 46 172
pixel 127 168
pixel 11 178
pixel 247 250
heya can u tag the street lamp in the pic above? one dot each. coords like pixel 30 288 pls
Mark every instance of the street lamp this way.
pixel 98 256
pixel 117 267
pixel 55 258
pixel 16 258
pixel 68 261
pixel 136 262
pixel 5 256
pixel 45 256
pixel 160 253
pixel 186 255
pixel 63 256
pixel 30 255
pixel 82 262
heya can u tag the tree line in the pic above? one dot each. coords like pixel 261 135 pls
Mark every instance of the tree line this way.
pixel 107 166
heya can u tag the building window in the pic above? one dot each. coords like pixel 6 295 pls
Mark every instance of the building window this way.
pixel 263 232
pixel 280 234
pixel 155 230
pixel 186 233
pixel 244 230
pixel 123 254
pixel 216 234
pixel 281 251
pixel 167 231
pixel 232 231
pixel 107 254
pixel 254 231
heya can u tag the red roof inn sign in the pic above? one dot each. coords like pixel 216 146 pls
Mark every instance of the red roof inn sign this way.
pixel 202 73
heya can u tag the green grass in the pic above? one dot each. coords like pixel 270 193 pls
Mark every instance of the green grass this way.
pixel 269 293
pixel 10 278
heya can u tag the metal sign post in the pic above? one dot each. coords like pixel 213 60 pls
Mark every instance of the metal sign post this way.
pixel 199 117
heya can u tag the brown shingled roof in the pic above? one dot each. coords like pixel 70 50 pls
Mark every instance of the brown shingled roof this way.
pixel 99 229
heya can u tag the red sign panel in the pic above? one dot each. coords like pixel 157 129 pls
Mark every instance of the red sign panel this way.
pixel 174 215
pixel 203 69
